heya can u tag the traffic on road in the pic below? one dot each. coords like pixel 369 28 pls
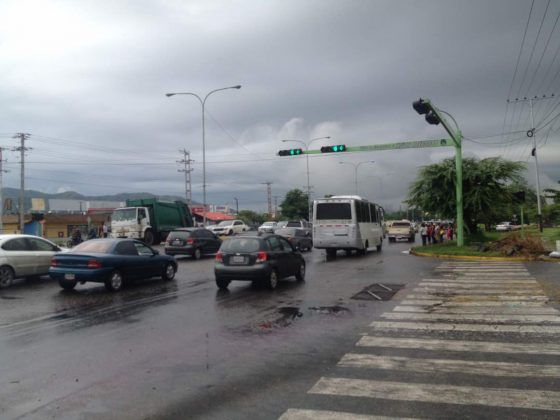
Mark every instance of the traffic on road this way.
pixel 449 339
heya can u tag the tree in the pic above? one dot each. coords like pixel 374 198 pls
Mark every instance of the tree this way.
pixel 252 218
pixel 488 187
pixel 295 205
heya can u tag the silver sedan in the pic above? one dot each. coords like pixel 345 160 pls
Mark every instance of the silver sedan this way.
pixel 24 256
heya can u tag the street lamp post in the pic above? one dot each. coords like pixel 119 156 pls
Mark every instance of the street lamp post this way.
pixel 356 166
pixel 203 104
pixel 307 163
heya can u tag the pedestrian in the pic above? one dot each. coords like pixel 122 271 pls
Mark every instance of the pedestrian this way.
pixel 105 230
pixel 450 232
pixel 430 233
pixel 435 237
pixel 424 233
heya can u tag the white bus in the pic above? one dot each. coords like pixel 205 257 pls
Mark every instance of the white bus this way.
pixel 347 222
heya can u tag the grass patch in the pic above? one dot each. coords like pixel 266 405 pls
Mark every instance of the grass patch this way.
pixel 499 244
pixel 451 248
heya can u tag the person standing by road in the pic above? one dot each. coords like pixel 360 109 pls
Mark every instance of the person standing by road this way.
pixel 105 230
pixel 424 233
pixel 430 232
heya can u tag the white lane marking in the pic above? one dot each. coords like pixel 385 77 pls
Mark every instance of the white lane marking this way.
pixel 479 298
pixel 499 310
pixel 441 326
pixel 479 281
pixel 499 291
pixel 502 369
pixel 481 286
pixel 447 394
pixel 444 304
pixel 300 414
pixel 460 345
pixel 488 318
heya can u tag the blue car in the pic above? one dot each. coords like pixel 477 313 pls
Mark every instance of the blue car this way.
pixel 110 261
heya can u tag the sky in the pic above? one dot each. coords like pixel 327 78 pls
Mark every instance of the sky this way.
pixel 87 80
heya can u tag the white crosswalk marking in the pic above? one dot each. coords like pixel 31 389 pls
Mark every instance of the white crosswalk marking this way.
pixel 469 299
pixel 460 345
pixel 449 394
pixel 294 414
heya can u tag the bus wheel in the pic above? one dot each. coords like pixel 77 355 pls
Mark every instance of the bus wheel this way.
pixel 380 246
pixel 331 253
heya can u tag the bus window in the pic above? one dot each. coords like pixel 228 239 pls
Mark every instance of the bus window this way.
pixel 333 211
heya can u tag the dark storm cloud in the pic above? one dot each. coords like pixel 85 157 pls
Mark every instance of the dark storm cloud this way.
pixel 95 76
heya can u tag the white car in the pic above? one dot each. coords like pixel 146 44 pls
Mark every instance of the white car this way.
pixel 229 227
pixel 504 227
pixel 267 227
pixel 25 256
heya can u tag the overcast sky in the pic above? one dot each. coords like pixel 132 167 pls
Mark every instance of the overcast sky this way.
pixel 87 80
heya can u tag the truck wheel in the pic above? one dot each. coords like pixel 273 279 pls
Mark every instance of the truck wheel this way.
pixel 148 237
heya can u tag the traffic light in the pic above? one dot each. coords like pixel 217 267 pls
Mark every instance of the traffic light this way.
pixel 426 108
pixel 333 149
pixel 290 152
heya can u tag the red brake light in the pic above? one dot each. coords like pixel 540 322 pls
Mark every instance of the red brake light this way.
pixel 219 257
pixel 261 257
pixel 54 263
pixel 190 241
pixel 94 264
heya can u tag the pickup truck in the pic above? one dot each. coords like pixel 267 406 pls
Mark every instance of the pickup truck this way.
pixel 401 229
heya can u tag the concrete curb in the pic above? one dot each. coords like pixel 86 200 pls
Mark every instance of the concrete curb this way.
pixel 472 258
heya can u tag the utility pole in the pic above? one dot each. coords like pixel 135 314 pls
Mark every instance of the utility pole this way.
pixel 269 192
pixel 187 170
pixel 22 149
pixel 2 170
pixel 531 133
pixel 236 206
pixel 275 206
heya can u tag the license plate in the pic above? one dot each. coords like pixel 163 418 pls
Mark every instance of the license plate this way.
pixel 69 276
pixel 177 242
pixel 238 259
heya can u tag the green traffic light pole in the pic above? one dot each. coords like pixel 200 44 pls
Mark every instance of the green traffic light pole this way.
pixel 434 116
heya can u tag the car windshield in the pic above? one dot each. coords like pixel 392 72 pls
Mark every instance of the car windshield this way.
pixel 282 224
pixel 401 224
pixel 293 224
pixel 101 247
pixel 268 224
pixel 241 245
pixel 120 215
pixel 225 223
pixel 179 234
pixel 289 231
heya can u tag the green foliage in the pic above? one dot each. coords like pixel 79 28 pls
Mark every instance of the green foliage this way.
pixel 252 218
pixel 488 187
pixel 295 205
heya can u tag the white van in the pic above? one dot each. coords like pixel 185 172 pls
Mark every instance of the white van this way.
pixel 347 222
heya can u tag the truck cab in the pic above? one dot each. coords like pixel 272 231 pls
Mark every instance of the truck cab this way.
pixel 132 222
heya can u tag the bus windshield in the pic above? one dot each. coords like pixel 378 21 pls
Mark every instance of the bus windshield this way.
pixel 333 211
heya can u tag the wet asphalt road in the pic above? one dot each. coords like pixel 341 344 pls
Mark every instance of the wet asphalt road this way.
pixel 186 350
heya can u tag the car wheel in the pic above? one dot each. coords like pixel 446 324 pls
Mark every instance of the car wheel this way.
pixel 115 282
pixel 222 284
pixel 272 280
pixel 168 272
pixel 67 284
pixel 300 275
pixel 6 276
pixel 197 254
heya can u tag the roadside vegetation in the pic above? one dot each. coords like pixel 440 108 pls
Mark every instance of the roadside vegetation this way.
pixel 528 244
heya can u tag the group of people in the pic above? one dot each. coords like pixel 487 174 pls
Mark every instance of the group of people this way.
pixel 434 233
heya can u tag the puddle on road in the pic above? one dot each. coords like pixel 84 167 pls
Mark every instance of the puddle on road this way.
pixel 329 309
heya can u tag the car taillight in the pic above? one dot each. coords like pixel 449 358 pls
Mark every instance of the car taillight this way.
pixel 54 263
pixel 190 241
pixel 261 257
pixel 219 257
pixel 94 264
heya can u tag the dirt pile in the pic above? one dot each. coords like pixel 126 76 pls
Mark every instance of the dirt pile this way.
pixel 514 245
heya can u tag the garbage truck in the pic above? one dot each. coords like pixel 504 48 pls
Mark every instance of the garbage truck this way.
pixel 149 219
